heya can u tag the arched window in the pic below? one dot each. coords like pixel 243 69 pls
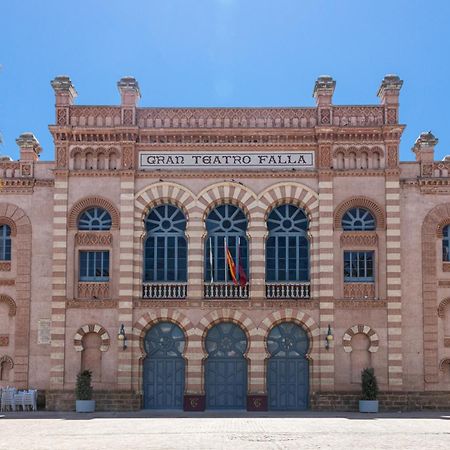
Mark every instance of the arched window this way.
pixel 226 226
pixel 358 219
pixel 95 219
pixel 446 243
pixel 165 249
pixel 5 243
pixel 287 246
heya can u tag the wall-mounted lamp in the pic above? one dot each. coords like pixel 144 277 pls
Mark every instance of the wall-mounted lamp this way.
pixel 328 338
pixel 122 337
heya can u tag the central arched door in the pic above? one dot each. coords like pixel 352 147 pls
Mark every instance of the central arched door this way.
pixel 226 367
pixel 164 367
pixel 288 368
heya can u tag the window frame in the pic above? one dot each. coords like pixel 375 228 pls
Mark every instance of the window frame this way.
pixel 104 225
pixel 363 226
pixel 446 243
pixel 95 278
pixel 152 264
pixel 359 279
pixel 286 236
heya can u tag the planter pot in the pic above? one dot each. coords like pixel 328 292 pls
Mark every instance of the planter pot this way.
pixel 368 406
pixel 85 406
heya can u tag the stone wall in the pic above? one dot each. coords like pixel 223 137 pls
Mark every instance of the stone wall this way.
pixel 389 401
pixel 104 401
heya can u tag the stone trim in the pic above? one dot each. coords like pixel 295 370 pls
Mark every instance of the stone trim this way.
pixel 363 202
pixel 11 304
pixel 227 192
pixel 163 193
pixel 441 308
pixel 361 329
pixel 90 202
pixel 432 223
pixel 91 328
pixel 8 360
pixel 93 238
pixel 359 239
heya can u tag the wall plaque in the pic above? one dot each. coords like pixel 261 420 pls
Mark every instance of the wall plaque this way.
pixel 44 331
pixel 282 160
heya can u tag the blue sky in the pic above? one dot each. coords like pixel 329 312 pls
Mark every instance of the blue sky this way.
pixel 224 53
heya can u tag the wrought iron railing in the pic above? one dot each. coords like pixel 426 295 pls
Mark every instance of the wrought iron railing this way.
pixel 288 290
pixel 164 290
pixel 225 290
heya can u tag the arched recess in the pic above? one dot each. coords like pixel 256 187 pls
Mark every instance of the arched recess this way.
pixel 91 328
pixel 144 323
pixel 11 304
pixel 10 223
pixel 88 202
pixel 444 362
pixel 6 365
pixel 227 192
pixel 312 330
pixel 161 193
pixel 361 202
pixel 432 226
pixel 22 247
pixel 363 329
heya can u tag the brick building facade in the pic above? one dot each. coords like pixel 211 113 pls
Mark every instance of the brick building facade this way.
pixel 340 253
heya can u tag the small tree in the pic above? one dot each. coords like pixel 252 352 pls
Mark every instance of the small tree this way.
pixel 369 384
pixel 83 390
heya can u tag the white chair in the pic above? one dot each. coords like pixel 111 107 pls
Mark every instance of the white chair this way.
pixel 18 400
pixel 7 401
pixel 29 400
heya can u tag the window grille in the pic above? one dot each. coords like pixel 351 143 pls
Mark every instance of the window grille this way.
pixel 95 219
pixel 358 219
pixel 5 243
pixel 94 265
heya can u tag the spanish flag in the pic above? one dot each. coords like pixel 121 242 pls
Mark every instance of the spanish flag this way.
pixel 230 262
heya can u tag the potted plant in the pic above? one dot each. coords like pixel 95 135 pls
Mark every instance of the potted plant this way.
pixel 369 386
pixel 83 393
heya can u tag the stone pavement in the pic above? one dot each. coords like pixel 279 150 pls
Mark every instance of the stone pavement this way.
pixel 227 430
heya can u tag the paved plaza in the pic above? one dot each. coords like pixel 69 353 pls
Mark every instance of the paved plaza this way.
pixel 144 430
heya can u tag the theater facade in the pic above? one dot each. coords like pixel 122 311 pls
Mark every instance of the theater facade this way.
pixel 226 258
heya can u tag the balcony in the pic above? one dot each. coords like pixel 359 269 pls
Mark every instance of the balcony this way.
pixel 164 290
pixel 288 290
pixel 225 291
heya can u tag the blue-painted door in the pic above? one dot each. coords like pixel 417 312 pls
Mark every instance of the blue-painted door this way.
pixel 164 367
pixel 226 367
pixel 288 368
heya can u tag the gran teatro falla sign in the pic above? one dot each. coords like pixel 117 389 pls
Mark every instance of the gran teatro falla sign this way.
pixel 278 160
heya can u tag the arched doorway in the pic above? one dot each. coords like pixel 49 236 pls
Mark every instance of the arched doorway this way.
pixel 287 367
pixel 164 367
pixel 226 367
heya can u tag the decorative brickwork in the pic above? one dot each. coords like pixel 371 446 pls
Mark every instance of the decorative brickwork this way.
pixel 359 239
pixel 91 202
pixel 359 290
pixel 363 329
pixel 93 290
pixel 5 266
pixel 91 328
pixel 11 304
pixel 441 308
pixel 93 238
pixel 4 340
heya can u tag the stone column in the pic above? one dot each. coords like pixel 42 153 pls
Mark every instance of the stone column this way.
pixel 424 150
pixel 65 95
pixel 29 153
pixel 129 99
pixel 125 305
pixel 389 92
